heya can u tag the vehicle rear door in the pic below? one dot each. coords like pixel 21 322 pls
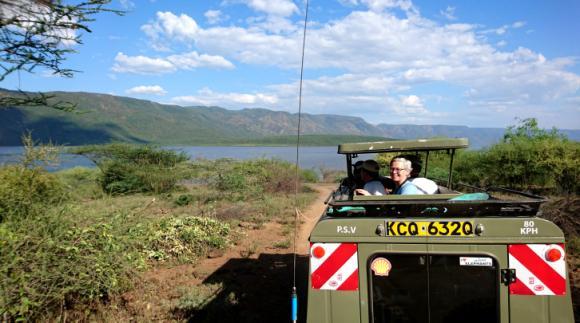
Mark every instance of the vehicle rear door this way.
pixel 434 283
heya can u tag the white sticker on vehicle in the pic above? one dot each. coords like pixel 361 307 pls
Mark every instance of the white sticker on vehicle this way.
pixel 476 261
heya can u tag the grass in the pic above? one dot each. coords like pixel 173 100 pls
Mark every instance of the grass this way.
pixel 52 220
pixel 283 244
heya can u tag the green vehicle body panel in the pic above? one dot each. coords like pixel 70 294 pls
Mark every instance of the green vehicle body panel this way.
pixel 492 234
pixel 353 306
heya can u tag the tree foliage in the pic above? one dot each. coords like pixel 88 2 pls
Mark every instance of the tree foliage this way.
pixel 41 34
pixel 131 168
pixel 528 158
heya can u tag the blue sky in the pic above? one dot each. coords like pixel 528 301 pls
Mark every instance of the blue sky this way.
pixel 474 63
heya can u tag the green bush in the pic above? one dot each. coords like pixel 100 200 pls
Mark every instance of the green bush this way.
pixel 242 179
pixel 309 175
pixel 121 178
pixel 186 238
pixel 78 175
pixel 82 183
pixel 184 199
pixel 130 169
pixel 133 154
pixel 52 263
pixel 25 192
pixel 528 158
pixel 56 256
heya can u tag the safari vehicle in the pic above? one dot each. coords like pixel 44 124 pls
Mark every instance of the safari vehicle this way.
pixel 462 255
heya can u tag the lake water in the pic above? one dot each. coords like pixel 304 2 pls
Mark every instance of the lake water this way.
pixel 310 157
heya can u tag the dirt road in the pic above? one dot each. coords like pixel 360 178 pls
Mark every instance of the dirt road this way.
pixel 251 282
pixel 311 215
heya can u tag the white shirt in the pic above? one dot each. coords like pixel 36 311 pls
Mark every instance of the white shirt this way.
pixel 375 188
pixel 424 184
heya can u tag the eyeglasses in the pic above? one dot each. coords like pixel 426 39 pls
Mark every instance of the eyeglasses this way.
pixel 397 170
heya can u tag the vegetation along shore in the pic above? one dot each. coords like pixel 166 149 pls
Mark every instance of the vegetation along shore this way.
pixel 75 243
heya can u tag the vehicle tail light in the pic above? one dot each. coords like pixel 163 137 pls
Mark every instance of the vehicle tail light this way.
pixel 553 254
pixel 318 252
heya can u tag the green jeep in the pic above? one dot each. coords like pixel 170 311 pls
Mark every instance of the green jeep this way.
pixel 463 254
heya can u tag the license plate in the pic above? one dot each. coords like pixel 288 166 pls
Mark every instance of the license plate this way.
pixel 429 228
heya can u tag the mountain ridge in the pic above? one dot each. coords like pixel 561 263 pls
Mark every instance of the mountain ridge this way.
pixel 103 118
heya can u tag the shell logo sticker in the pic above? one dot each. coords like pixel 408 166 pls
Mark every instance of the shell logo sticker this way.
pixel 381 266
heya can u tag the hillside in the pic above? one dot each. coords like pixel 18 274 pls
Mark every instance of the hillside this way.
pixel 104 118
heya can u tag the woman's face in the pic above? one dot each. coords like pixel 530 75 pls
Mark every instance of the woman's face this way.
pixel 398 173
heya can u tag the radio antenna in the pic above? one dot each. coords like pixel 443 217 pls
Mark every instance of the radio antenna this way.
pixel 294 295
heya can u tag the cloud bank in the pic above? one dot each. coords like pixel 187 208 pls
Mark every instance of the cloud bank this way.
pixel 383 61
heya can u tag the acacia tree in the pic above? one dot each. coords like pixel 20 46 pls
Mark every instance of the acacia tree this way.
pixel 41 34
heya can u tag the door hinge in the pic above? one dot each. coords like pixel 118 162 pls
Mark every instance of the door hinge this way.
pixel 508 276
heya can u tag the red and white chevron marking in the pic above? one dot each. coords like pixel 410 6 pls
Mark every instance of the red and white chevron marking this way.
pixel 534 274
pixel 337 269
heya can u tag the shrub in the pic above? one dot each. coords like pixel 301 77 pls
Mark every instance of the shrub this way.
pixel 184 199
pixel 242 179
pixel 130 169
pixel 186 237
pixel 26 192
pixel 78 175
pixel 133 154
pixel 533 158
pixel 51 263
pixel 26 188
pixel 121 178
pixel 528 158
pixel 309 175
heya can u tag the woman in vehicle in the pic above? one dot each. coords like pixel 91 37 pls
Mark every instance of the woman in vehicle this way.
pixel 400 174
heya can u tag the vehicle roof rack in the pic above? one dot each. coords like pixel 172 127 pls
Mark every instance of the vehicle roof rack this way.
pixel 403 145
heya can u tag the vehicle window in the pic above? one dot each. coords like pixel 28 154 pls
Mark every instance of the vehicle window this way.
pixel 402 295
pixel 463 293
pixel 435 289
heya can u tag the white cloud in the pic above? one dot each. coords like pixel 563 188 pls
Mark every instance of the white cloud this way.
pixel 274 24
pixel 412 101
pixel 504 29
pixel 195 60
pixel 376 58
pixel 380 5
pixel 147 89
pixel 214 16
pixel 141 65
pixel 348 3
pixel 449 13
pixel 146 65
pixel 281 8
pixel 170 26
pixel 411 106
pixel 208 97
